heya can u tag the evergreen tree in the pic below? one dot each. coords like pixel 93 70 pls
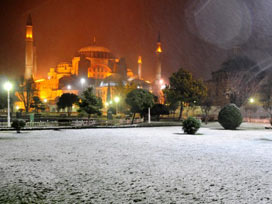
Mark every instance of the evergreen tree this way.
pixel 89 103
pixel 139 101
pixel 66 101
pixel 37 104
pixel 184 89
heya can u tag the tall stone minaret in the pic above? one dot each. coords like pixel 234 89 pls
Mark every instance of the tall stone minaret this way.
pixel 29 59
pixel 140 67
pixel 158 53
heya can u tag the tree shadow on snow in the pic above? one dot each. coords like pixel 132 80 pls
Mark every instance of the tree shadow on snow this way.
pixel 264 139
pixel 182 133
pixel 226 130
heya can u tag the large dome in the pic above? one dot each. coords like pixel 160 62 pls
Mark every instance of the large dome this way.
pixel 93 49
pixel 96 52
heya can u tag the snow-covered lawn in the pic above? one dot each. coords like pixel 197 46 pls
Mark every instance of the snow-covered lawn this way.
pixel 143 165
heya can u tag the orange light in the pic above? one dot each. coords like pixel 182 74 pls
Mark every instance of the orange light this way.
pixel 159 50
pixel 139 60
pixel 39 80
pixel 29 35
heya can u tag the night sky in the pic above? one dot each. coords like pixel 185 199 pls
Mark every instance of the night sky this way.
pixel 196 36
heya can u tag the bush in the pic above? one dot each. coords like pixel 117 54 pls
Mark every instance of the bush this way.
pixel 191 125
pixel 230 117
pixel 18 124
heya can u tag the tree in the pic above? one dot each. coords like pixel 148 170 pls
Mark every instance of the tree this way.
pixel 139 101
pixel 159 109
pixel 184 89
pixel 206 106
pixel 37 104
pixel 66 101
pixel 206 103
pixel 122 90
pixel 89 103
pixel 3 100
pixel 25 93
pixel 266 97
pixel 241 79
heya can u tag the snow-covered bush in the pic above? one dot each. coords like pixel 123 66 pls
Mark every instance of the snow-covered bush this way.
pixel 18 124
pixel 191 125
pixel 230 117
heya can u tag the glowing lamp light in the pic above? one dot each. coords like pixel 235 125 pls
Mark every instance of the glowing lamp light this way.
pixel 45 100
pixel 17 107
pixel 116 99
pixel 110 102
pixel 251 100
pixel 8 86
pixel 107 104
pixel 82 80
pixel 161 81
pixel 163 86
pixel 69 87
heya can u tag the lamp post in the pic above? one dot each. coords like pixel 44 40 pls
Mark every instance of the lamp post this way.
pixel 8 87
pixel 116 99
pixel 82 81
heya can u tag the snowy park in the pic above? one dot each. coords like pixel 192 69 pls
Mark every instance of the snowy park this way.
pixel 136 165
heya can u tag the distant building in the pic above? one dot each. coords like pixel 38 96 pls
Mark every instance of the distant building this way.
pixel 93 66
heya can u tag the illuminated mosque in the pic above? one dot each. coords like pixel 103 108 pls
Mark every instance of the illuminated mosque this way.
pixel 92 66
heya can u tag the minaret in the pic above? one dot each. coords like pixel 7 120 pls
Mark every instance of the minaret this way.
pixel 29 49
pixel 157 85
pixel 34 62
pixel 158 53
pixel 140 67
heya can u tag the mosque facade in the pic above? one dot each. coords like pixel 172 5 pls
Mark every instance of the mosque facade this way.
pixel 92 66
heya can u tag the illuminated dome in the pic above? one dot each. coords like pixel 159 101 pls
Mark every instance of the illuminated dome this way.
pixel 96 52
pixel 94 49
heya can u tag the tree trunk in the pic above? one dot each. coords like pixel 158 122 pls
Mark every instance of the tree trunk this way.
pixel 89 119
pixel 133 119
pixel 27 101
pixel 69 111
pixel 206 119
pixel 180 112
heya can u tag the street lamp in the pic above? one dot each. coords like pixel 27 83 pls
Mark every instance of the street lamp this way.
pixel 8 87
pixel 251 100
pixel 82 81
pixel 116 99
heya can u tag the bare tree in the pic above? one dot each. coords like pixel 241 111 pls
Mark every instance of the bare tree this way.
pixel 239 78
pixel 266 97
pixel 26 90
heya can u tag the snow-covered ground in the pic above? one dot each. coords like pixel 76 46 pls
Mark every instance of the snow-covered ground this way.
pixel 143 165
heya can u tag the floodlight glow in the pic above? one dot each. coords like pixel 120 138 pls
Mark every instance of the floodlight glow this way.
pixel 7 86
pixel 82 80
pixel 116 99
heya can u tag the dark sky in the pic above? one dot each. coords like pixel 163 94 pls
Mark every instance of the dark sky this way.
pixel 196 36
